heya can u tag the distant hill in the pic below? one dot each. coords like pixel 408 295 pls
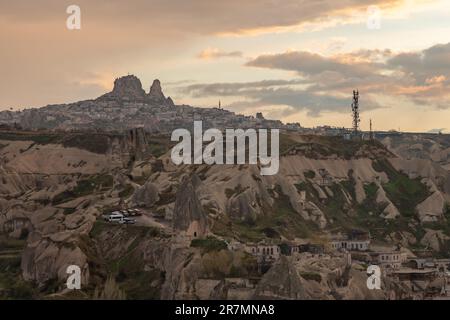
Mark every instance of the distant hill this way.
pixel 128 106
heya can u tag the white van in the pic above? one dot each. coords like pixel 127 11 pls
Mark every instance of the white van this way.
pixel 115 217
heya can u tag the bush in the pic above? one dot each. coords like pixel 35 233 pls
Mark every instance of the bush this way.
pixel 128 191
pixel 311 276
pixel 371 190
pixel 405 193
pixel 309 174
pixel 209 244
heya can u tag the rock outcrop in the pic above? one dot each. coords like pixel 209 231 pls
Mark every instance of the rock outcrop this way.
pixel 188 214
pixel 156 95
pixel 137 143
pixel 432 208
pixel 145 196
pixel 128 88
pixel 44 260
pixel 282 281
pixel 155 92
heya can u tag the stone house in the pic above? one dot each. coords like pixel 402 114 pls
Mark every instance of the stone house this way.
pixel 389 260
pixel 351 245
pixel 262 251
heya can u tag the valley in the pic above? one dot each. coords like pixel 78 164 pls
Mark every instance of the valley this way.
pixel 55 187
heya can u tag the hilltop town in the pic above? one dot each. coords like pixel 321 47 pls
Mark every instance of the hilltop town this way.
pixel 128 106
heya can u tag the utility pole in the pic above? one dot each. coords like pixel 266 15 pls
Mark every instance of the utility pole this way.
pixel 371 132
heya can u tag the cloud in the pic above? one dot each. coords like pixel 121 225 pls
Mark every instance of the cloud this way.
pixel 324 83
pixel 214 53
pixel 261 94
pixel 310 64
pixel 233 88
pixel 195 16
pixel 424 65
pixel 421 76
pixel 42 57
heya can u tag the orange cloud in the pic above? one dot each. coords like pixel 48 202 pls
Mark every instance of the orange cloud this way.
pixel 214 53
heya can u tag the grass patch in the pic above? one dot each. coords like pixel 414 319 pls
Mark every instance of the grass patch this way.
pixel 276 220
pixel 309 174
pixel 209 244
pixel 38 138
pixel 405 193
pixel 11 282
pixel 96 143
pixel 85 187
pixel 371 190
pixel 311 276
pixel 68 211
pixel 128 191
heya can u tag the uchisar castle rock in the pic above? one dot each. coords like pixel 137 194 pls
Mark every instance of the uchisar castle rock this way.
pixel 206 231
pixel 128 106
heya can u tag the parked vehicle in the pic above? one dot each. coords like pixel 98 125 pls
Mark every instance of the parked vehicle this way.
pixel 108 215
pixel 132 212
pixel 115 217
pixel 128 221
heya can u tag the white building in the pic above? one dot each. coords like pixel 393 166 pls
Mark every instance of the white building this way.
pixel 263 251
pixel 351 245
pixel 389 260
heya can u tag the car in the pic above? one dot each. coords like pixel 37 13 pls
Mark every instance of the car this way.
pixel 115 217
pixel 128 221
pixel 133 212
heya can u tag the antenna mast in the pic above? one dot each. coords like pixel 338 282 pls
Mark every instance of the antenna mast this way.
pixel 355 112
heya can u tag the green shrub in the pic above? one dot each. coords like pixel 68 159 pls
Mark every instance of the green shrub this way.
pixel 209 244
pixel 128 191
pixel 405 193
pixel 309 174
pixel 311 276
pixel 85 187
pixel 371 190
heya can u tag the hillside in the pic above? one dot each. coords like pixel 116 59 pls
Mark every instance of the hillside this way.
pixel 55 186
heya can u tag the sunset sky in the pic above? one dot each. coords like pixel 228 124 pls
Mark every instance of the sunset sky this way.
pixel 294 60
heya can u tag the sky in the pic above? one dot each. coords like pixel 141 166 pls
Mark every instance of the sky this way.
pixel 293 60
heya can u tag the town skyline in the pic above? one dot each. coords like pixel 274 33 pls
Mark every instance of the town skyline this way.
pixel 293 62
